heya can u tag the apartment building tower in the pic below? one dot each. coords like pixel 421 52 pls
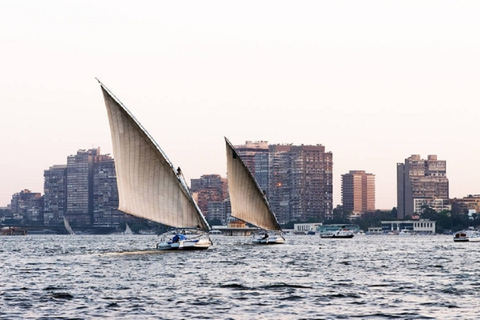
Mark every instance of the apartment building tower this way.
pixel 421 182
pixel 105 193
pixel 80 187
pixel 55 195
pixel 255 157
pixel 358 192
pixel 300 182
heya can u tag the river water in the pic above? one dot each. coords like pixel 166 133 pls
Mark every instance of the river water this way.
pixel 122 277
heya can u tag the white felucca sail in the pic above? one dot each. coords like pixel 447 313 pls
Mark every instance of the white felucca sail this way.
pixel 148 185
pixel 128 231
pixel 68 227
pixel 248 201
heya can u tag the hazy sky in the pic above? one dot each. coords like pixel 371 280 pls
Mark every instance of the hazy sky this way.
pixel 373 81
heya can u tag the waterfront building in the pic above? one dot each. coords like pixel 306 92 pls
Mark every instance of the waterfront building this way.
pixel 300 182
pixel 27 207
pixel 421 182
pixel 306 227
pixel 55 191
pixel 84 191
pixel 358 192
pixel 105 193
pixel 422 226
pixel 438 205
pixel 80 187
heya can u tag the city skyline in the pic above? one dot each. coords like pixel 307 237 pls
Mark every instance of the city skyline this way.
pixel 374 82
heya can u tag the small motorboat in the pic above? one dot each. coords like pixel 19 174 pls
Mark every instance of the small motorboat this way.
pixel 271 237
pixel 469 235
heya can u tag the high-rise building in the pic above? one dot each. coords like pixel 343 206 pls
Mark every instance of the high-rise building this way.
pixel 80 187
pixel 84 191
pixel 421 182
pixel 55 195
pixel 105 193
pixel 255 157
pixel 358 192
pixel 217 210
pixel 300 182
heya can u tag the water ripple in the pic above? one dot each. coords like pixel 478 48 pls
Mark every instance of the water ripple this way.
pixel 371 277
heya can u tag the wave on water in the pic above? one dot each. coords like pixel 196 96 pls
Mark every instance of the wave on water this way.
pixel 371 277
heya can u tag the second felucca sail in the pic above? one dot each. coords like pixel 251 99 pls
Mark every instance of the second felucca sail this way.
pixel 149 187
pixel 249 203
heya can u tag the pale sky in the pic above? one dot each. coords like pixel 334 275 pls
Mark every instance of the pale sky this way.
pixel 373 81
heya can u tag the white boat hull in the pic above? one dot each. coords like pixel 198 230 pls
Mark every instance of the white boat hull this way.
pixel 196 244
pixel 277 240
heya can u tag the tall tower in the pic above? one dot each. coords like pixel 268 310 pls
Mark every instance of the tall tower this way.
pixel 55 195
pixel 300 182
pixel 358 191
pixel 80 187
pixel 255 157
pixel 105 193
pixel 421 182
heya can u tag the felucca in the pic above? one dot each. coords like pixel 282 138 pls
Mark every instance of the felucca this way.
pixel 249 203
pixel 149 187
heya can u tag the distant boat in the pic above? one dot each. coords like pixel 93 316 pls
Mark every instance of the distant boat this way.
pixel 342 233
pixel 67 226
pixel 249 203
pixel 13 231
pixel 149 187
pixel 469 235
pixel 405 232
pixel 128 231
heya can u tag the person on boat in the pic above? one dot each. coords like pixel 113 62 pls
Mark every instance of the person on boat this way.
pixel 179 237
pixel 265 236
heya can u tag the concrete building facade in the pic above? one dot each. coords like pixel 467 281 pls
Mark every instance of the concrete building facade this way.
pixel 420 181
pixel 300 182
pixel 210 188
pixel 80 187
pixel 255 157
pixel 105 193
pixel 358 191
pixel 55 195
pixel 465 204
pixel 27 207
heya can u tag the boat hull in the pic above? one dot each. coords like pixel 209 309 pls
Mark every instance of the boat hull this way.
pixel 467 236
pixel 198 244
pixel 333 236
pixel 277 240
